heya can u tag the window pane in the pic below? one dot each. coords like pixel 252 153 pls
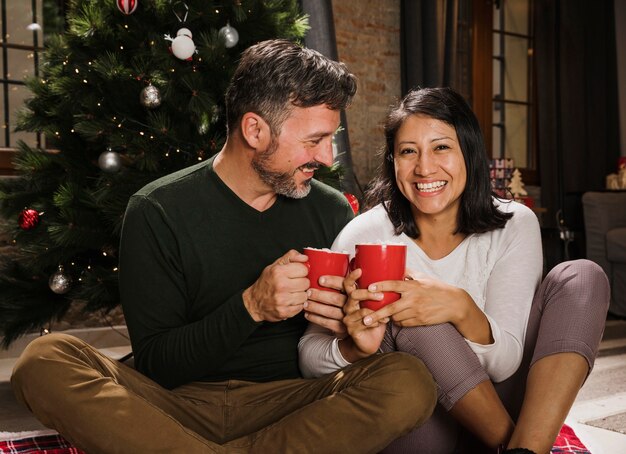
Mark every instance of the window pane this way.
pixel 20 25
pixel 21 64
pixel 496 131
pixel 17 95
pixel 516 76
pixel 516 16
pixel 515 134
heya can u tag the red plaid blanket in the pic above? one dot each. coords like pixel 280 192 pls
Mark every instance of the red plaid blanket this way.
pixel 566 442
pixel 42 444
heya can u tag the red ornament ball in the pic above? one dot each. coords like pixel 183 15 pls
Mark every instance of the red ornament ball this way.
pixel 127 6
pixel 353 201
pixel 28 219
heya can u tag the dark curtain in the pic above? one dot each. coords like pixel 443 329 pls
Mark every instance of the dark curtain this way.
pixel 577 108
pixel 321 37
pixel 434 44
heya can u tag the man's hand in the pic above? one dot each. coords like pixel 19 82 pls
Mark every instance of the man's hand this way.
pixel 325 308
pixel 281 290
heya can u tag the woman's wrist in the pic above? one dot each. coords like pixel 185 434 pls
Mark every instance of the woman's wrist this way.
pixel 470 321
pixel 349 350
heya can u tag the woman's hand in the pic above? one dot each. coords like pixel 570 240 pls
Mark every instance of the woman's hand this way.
pixel 423 301
pixel 428 301
pixel 364 339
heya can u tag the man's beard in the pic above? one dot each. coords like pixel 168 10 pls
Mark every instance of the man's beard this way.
pixel 283 183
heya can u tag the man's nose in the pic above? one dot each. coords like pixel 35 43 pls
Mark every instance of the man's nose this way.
pixel 325 154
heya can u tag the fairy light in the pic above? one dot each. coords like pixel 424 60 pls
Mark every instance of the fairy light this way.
pixel 85 80
pixel 121 47
pixel 76 70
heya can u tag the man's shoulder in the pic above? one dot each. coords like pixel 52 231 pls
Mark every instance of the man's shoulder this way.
pixel 174 181
pixel 321 190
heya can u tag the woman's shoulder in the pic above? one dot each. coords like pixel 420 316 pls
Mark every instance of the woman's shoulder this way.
pixel 521 213
pixel 372 225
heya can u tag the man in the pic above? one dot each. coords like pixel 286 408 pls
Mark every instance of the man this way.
pixel 214 291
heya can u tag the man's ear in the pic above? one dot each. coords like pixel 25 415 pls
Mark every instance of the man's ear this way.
pixel 255 131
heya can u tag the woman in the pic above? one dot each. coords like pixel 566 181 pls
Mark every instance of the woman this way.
pixel 474 308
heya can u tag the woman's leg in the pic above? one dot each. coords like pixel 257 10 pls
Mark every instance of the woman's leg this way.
pixel 564 332
pixel 464 389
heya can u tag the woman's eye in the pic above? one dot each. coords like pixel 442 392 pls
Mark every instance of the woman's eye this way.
pixel 406 151
pixel 442 147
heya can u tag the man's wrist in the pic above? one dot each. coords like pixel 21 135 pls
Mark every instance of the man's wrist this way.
pixel 248 302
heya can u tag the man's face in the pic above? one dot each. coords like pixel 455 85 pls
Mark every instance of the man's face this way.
pixel 304 143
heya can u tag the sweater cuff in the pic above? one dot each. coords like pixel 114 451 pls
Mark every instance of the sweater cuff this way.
pixel 336 355
pixel 240 312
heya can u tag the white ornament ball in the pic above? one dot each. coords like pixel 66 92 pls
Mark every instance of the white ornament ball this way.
pixel 183 47
pixel 184 32
pixel 110 161
pixel 229 35
pixel 60 282
pixel 127 6
pixel 150 97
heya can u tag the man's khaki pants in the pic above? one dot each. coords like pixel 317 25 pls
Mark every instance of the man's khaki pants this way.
pixel 103 406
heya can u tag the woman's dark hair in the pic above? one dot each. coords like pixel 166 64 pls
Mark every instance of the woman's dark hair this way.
pixel 477 213
pixel 274 76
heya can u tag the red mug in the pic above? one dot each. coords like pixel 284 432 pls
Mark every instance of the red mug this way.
pixel 379 262
pixel 324 262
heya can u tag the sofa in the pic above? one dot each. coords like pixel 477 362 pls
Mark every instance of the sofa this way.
pixel 605 231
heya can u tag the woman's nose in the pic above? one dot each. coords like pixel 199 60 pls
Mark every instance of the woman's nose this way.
pixel 425 164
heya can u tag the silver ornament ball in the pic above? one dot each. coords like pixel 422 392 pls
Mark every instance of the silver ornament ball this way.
pixel 229 35
pixel 110 161
pixel 150 97
pixel 60 283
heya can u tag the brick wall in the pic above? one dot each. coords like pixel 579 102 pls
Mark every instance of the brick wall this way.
pixel 368 41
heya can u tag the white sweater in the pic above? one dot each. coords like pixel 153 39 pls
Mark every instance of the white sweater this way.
pixel 500 270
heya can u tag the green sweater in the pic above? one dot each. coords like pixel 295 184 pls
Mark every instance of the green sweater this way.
pixel 189 249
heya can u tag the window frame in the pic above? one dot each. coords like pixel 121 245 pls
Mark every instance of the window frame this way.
pixel 482 87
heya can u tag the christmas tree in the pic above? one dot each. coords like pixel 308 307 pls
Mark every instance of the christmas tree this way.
pixel 131 91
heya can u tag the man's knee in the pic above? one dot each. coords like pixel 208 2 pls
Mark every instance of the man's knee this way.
pixel 35 366
pixel 413 389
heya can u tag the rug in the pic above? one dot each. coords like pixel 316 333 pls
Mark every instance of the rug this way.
pixel 50 442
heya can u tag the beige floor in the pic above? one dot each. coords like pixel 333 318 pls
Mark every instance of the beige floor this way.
pixel 597 417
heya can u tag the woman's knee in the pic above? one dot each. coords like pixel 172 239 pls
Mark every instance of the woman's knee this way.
pixel 582 282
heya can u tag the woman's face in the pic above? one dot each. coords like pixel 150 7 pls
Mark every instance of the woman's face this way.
pixel 429 166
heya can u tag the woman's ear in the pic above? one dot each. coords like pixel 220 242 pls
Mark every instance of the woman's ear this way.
pixel 255 131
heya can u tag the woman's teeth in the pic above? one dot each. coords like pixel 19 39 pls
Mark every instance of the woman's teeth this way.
pixel 430 187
